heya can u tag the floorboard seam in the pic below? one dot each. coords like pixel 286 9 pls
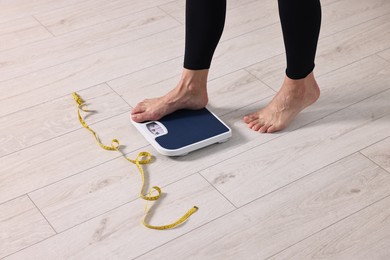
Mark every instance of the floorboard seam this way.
pixel 327 227
pixel 35 18
pixel 120 96
pixel 40 211
pixel 90 54
pixel 168 14
pixel 63 134
pixel 379 56
pixel 378 165
pixel 218 191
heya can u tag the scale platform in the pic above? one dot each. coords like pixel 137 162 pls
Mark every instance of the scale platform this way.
pixel 184 131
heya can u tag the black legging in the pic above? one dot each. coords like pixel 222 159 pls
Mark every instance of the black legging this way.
pixel 300 19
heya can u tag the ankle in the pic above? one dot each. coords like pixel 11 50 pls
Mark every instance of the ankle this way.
pixel 193 81
pixel 194 77
pixel 307 82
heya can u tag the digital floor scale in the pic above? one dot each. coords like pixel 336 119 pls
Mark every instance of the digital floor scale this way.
pixel 184 131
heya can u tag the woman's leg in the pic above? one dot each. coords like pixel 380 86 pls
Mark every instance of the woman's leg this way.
pixel 204 25
pixel 205 21
pixel 301 20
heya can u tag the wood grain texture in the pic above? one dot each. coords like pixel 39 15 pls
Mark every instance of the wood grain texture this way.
pixel 91 193
pixel 385 54
pixel 338 92
pixel 364 235
pixel 247 49
pixel 21 32
pixel 89 13
pixel 268 167
pixel 55 118
pixel 135 56
pixel 40 55
pixel 119 233
pixel 226 94
pixel 379 153
pixel 64 156
pixel 280 219
pixel 241 16
pixel 91 70
pixel 11 10
pixel 335 51
pixel 107 65
pixel 345 14
pixel 344 39
pixel 341 49
pixel 223 89
pixel 177 8
pixel 21 225
pixel 312 190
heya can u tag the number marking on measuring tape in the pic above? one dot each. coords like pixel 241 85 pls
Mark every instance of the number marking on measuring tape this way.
pixel 141 159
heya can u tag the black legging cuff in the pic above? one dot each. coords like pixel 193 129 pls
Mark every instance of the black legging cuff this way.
pixel 299 74
pixel 205 20
pixel 301 21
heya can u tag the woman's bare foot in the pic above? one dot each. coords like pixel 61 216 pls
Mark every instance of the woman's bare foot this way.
pixel 190 93
pixel 292 98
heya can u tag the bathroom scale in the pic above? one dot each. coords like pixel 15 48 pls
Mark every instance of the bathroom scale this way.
pixel 184 131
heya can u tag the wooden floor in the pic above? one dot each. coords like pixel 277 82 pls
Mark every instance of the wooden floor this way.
pixel 320 189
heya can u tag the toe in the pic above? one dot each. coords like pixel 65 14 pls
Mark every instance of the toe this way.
pixel 268 128
pixel 263 129
pixel 139 113
pixel 246 119
pixel 252 124
pixel 139 118
pixel 139 108
pixel 145 114
pixel 272 129
pixel 256 127
pixel 249 118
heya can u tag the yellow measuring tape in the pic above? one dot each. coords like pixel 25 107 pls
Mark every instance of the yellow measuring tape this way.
pixel 142 158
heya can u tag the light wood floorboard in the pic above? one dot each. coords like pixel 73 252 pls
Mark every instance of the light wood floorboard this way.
pixel 385 54
pixel 55 118
pixel 67 155
pixel 334 51
pixel 60 80
pixel 177 8
pixel 119 233
pixel 227 93
pixel 14 9
pixel 86 72
pixel 87 13
pixel 379 153
pixel 21 32
pixel 364 235
pixel 240 18
pixel 21 225
pixel 43 54
pixel 235 7
pixel 268 167
pixel 258 230
pixel 318 189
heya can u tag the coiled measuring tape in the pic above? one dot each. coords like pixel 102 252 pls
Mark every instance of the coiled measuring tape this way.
pixel 142 158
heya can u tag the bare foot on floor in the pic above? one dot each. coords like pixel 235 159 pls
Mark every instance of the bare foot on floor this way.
pixel 292 98
pixel 190 93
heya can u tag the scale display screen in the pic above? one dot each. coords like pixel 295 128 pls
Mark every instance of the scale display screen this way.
pixel 155 128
